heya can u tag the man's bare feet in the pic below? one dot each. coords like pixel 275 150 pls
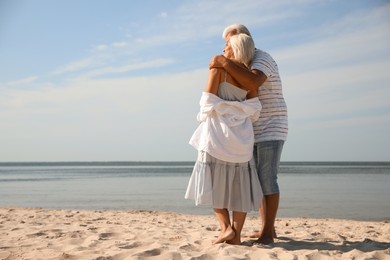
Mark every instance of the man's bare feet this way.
pixel 258 234
pixel 263 240
pixel 227 235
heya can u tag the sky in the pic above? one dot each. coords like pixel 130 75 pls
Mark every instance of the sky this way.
pixel 121 80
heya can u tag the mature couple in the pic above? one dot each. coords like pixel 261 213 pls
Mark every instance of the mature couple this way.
pixel 243 126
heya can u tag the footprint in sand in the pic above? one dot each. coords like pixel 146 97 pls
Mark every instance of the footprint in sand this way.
pixel 90 242
pixel 129 245
pixel 149 253
pixel 76 234
pixel 104 258
pixel 105 236
pixel 190 247
pixel 38 234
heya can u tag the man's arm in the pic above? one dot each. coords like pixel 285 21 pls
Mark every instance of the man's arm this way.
pixel 249 80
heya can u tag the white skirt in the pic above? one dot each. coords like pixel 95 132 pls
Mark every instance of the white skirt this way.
pixel 224 185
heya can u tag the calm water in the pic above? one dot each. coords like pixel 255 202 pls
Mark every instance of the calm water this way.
pixel 358 190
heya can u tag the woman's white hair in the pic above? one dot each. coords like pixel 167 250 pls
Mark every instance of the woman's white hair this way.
pixel 236 29
pixel 243 48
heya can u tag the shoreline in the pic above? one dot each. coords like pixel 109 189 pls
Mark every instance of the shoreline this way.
pixel 39 233
pixel 205 212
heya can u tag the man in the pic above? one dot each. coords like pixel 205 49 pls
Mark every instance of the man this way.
pixel 270 130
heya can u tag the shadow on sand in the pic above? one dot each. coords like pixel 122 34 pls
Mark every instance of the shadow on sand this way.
pixel 366 245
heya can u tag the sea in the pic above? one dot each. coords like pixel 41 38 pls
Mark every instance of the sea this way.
pixel 341 190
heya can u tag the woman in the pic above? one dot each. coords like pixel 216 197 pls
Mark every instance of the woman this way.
pixel 224 175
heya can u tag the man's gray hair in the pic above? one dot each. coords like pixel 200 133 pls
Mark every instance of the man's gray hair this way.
pixel 236 29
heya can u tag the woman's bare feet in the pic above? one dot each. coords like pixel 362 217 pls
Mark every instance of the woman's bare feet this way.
pixel 235 241
pixel 254 235
pixel 227 235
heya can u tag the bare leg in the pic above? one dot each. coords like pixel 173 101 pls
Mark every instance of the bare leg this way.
pixel 270 210
pixel 238 224
pixel 262 216
pixel 227 232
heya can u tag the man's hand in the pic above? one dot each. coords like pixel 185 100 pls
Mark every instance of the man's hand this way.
pixel 218 62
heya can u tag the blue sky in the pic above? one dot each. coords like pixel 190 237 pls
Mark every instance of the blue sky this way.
pixel 121 80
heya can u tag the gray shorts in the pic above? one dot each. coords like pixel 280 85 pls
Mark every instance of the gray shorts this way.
pixel 267 158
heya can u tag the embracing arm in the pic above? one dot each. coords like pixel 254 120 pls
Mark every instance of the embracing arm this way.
pixel 214 78
pixel 249 80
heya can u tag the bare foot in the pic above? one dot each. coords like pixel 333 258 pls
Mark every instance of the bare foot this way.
pixel 254 235
pixel 229 234
pixel 264 240
pixel 235 241
pixel 258 234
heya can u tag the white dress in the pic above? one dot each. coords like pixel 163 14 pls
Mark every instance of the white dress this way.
pixel 223 184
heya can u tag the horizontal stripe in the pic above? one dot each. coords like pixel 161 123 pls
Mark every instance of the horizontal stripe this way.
pixel 273 121
pixel 274 125
pixel 273 104
pixel 271 130
pixel 260 131
pixel 279 100
pixel 274 115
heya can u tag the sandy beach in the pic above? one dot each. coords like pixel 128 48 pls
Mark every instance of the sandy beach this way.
pixel 80 234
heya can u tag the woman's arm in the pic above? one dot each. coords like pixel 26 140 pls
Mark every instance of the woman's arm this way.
pixel 214 79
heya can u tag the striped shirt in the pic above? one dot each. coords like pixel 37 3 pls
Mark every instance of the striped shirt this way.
pixel 273 121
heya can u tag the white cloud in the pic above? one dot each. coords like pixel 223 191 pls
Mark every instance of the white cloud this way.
pixel 342 47
pixel 24 81
pixel 75 66
pixel 195 16
pixel 329 79
pixel 126 68
pixel 190 17
pixel 101 47
pixel 345 93
pixel 342 74
pixel 119 44
pixel 104 119
pixel 356 122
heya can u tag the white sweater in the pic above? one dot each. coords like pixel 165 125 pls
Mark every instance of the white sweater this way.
pixel 225 130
